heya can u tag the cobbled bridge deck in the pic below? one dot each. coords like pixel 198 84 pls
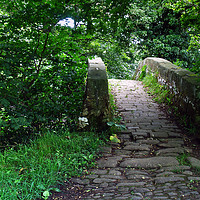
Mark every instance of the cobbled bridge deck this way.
pixel 144 165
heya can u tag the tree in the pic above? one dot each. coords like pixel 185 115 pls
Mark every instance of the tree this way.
pixel 118 45
pixel 43 65
pixel 147 28
pixel 190 19
pixel 187 14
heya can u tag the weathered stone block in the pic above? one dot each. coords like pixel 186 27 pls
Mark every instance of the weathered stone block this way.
pixel 194 162
pixel 96 103
pixel 149 163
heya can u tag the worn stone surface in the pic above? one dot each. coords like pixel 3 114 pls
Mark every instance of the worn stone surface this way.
pixel 135 147
pixel 149 163
pixel 159 135
pixel 170 150
pixel 109 162
pixel 168 179
pixel 144 165
pixel 194 162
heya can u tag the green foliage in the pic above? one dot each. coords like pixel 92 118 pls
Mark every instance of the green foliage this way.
pixel 182 159
pixel 189 11
pixel 114 138
pixel 42 68
pixel 160 92
pixel 143 73
pixel 165 37
pixel 188 17
pixel 194 51
pixel 148 28
pixel 120 64
pixel 112 102
pixel 30 171
pixel 114 125
pixel 117 126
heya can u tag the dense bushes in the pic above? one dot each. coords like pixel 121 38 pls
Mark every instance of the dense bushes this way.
pixel 42 70
pixel 50 97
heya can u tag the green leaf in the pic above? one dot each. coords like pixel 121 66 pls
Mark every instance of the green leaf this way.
pixel 110 123
pixel 114 139
pixel 46 194
pixel 55 189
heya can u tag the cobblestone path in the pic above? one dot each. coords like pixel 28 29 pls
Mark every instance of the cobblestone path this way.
pixel 144 165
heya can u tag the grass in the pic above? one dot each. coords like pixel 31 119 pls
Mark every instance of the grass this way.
pixel 29 171
pixel 160 92
pixel 182 159
pixel 115 123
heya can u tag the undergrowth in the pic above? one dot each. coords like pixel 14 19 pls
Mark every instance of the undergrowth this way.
pixel 115 123
pixel 29 171
pixel 182 159
pixel 112 101
pixel 160 92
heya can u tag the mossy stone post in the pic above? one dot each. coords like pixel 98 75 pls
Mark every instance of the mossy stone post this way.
pixel 96 103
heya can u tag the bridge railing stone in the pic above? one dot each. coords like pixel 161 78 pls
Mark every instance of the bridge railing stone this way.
pixel 96 109
pixel 183 84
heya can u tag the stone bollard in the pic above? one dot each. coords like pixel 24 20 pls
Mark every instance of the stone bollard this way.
pixel 96 107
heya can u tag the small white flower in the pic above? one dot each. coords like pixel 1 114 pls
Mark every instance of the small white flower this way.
pixel 83 122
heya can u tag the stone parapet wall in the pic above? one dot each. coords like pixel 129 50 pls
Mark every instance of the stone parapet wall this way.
pixel 96 103
pixel 183 84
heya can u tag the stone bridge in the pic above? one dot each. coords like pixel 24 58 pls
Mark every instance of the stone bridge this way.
pixel 183 85
pixel 153 158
